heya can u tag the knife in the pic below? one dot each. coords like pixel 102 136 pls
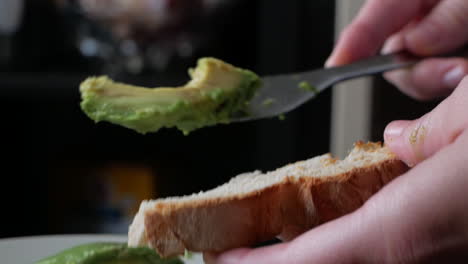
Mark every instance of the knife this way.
pixel 281 94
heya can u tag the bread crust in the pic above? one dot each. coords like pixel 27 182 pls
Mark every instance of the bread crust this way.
pixel 285 210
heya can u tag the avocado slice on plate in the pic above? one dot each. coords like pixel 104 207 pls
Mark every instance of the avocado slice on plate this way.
pixel 216 91
pixel 107 253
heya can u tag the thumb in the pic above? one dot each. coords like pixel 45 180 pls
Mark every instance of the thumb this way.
pixel 444 29
pixel 414 141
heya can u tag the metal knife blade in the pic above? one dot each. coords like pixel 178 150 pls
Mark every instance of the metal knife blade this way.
pixel 281 94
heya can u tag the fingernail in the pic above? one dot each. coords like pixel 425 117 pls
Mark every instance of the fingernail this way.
pixel 390 46
pixel 454 76
pixel 394 130
pixel 387 49
pixel 328 63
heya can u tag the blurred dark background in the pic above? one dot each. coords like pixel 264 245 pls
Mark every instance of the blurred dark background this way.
pixel 62 173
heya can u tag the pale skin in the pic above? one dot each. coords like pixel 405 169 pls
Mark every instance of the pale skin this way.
pixel 422 216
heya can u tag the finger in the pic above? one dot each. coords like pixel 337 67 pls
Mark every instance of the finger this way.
pixel 431 78
pixel 396 42
pixel 393 44
pixel 329 243
pixel 414 141
pixel 422 213
pixel 444 29
pixel 377 20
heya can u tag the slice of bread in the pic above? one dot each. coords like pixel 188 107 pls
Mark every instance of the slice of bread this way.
pixel 256 207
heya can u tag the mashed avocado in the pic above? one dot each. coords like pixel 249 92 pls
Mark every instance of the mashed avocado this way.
pixel 216 91
pixel 308 87
pixel 107 253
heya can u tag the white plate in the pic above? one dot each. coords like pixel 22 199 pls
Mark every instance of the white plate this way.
pixel 27 250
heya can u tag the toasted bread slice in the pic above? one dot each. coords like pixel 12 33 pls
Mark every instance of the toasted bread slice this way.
pixel 256 207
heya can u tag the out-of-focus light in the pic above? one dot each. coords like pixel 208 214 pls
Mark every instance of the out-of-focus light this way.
pixel 129 47
pixel 11 12
pixel 89 47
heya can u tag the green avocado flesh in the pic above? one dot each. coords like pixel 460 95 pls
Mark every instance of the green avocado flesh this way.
pixel 307 87
pixel 216 91
pixel 107 253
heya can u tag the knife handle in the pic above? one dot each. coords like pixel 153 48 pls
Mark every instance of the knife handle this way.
pixel 382 63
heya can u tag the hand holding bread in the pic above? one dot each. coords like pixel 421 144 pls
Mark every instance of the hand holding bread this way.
pixel 421 216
